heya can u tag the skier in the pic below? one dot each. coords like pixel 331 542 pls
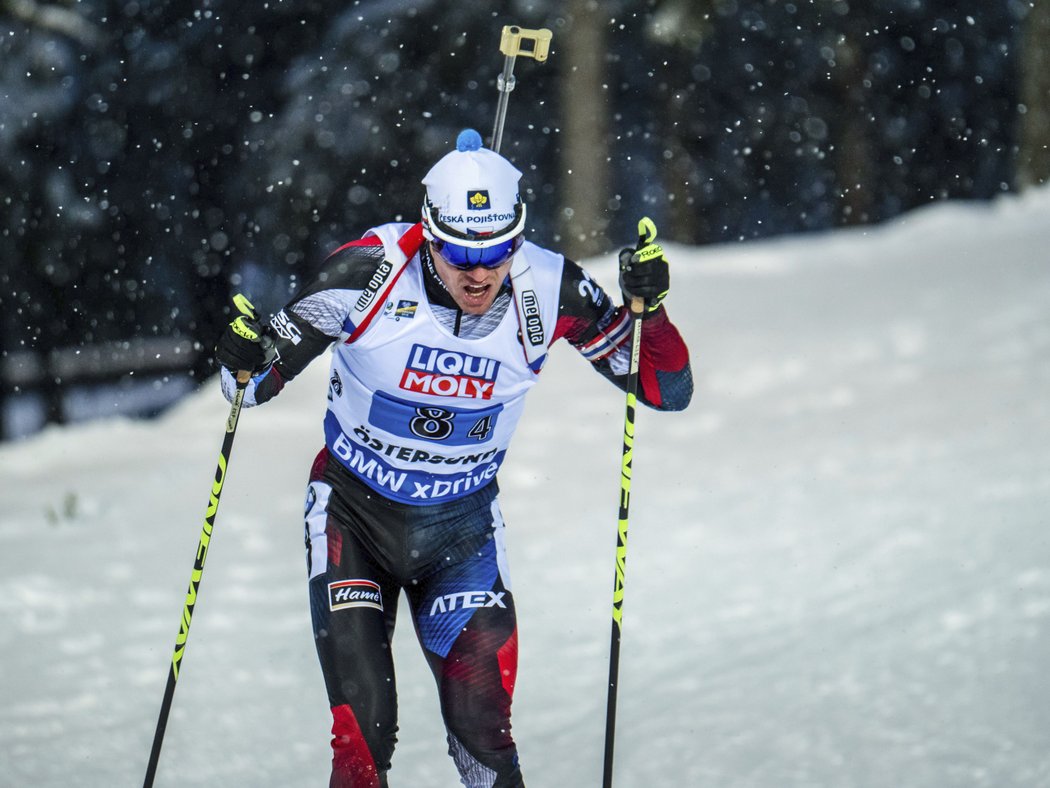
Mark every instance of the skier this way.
pixel 439 329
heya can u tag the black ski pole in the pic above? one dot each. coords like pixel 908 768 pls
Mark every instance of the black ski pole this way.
pixel 646 234
pixel 198 565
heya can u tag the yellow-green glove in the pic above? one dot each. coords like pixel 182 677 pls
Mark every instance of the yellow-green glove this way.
pixel 245 346
pixel 644 273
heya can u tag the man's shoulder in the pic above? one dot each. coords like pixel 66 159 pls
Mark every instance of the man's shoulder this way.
pixel 541 256
pixel 352 265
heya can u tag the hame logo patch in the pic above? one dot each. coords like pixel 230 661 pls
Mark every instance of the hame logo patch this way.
pixel 346 594
pixel 448 373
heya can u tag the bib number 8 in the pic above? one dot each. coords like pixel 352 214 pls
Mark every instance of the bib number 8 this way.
pixel 434 424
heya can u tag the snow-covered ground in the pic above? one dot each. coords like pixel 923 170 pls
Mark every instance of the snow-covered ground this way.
pixel 838 570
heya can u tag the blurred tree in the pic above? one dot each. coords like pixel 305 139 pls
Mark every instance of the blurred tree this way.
pixel 1033 161
pixel 780 117
pixel 678 30
pixel 54 18
pixel 844 30
pixel 743 118
pixel 360 118
pixel 43 219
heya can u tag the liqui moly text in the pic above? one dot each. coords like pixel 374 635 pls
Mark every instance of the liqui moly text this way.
pixel 448 373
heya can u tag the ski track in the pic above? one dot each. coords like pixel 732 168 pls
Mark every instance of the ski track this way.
pixel 838 567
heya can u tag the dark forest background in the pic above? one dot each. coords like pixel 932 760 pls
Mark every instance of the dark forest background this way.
pixel 156 157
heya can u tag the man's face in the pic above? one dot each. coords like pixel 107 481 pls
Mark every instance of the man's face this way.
pixel 473 290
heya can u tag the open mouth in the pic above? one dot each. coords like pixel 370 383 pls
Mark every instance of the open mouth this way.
pixel 475 291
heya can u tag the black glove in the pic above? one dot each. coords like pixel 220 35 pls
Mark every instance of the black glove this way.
pixel 644 273
pixel 244 346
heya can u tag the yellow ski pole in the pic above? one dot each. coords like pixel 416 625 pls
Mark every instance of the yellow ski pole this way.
pixel 243 377
pixel 646 235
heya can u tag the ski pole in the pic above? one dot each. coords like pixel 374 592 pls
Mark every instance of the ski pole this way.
pixel 243 377
pixel 646 235
pixel 510 45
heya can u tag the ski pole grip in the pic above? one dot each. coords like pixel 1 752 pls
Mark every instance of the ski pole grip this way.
pixel 512 37
pixel 246 308
pixel 646 235
pixel 646 232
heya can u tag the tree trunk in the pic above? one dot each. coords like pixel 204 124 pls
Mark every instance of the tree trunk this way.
pixel 584 139
pixel 1033 158
pixel 853 157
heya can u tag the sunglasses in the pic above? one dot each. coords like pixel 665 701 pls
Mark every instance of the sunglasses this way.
pixel 468 257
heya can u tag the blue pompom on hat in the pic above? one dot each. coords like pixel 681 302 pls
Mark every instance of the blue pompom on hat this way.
pixel 468 140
